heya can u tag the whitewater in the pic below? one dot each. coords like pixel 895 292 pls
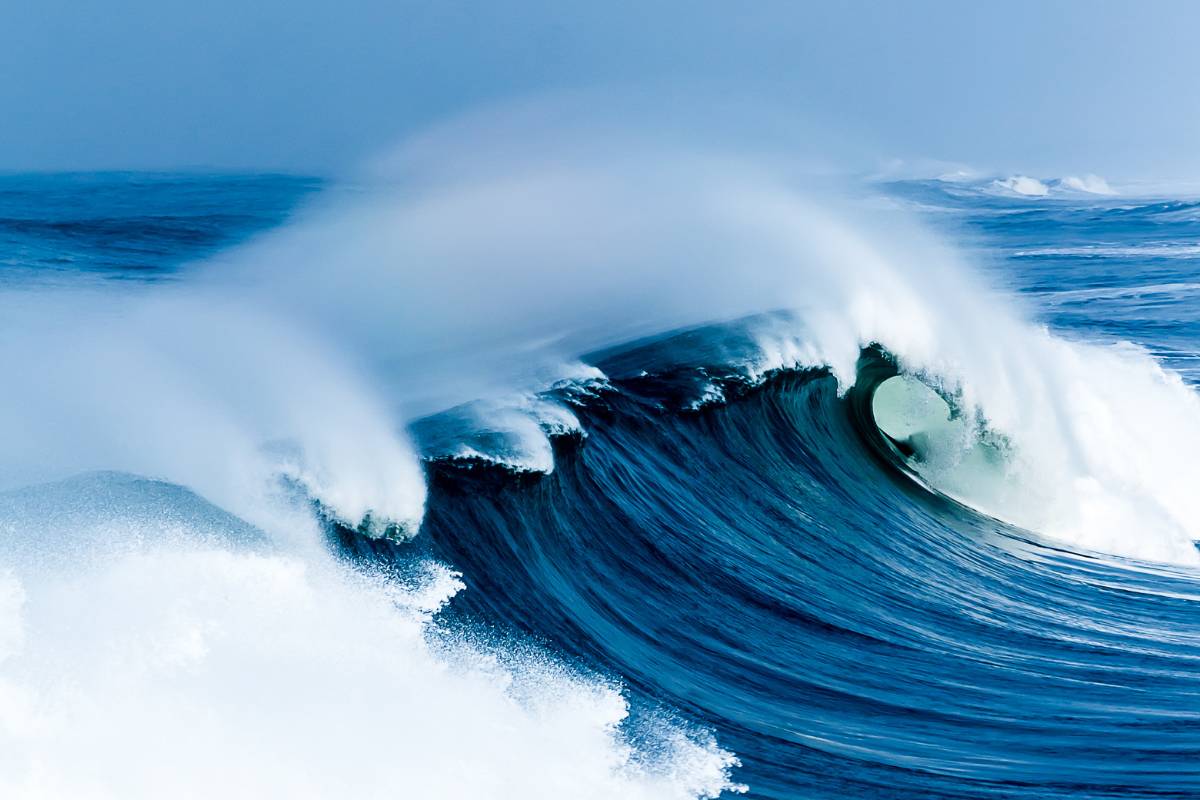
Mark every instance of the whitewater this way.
pixel 603 469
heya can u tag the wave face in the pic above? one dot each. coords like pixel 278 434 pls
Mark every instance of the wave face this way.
pixel 884 537
pixel 766 563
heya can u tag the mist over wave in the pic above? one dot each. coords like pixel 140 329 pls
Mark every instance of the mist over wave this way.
pixel 456 274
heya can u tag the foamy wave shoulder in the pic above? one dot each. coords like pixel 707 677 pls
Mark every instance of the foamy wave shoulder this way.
pixel 290 672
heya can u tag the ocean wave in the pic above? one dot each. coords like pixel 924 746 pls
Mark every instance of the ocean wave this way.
pixel 1094 499
pixel 338 369
pixel 779 543
pixel 709 460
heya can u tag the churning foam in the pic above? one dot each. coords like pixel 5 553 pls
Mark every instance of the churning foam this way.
pixel 164 654
pixel 1023 185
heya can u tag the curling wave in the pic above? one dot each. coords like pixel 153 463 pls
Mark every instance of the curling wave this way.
pixel 873 531
pixel 772 562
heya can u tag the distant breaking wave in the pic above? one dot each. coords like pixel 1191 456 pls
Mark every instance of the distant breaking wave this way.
pixel 1033 187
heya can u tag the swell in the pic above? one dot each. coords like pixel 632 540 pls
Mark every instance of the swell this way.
pixel 766 566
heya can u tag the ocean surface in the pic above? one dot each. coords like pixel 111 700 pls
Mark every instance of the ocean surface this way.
pixel 927 532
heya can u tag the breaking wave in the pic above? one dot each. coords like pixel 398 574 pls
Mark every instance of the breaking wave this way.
pixel 505 472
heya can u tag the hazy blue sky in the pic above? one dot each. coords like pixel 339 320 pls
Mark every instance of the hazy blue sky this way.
pixel 1045 87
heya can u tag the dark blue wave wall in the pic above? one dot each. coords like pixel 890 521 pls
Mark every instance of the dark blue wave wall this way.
pixel 761 566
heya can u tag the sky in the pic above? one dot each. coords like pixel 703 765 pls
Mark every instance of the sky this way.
pixel 1045 88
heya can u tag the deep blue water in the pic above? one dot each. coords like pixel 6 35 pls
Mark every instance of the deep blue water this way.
pixel 764 566
pixel 132 225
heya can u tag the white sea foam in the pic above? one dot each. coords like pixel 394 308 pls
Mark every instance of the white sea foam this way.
pixel 1087 184
pixel 1027 186
pixel 1022 185
pixel 521 432
pixel 180 662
